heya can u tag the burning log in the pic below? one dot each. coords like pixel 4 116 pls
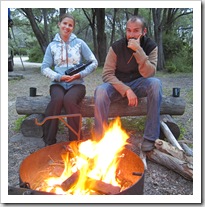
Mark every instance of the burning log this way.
pixel 71 181
pixel 92 184
pixel 102 187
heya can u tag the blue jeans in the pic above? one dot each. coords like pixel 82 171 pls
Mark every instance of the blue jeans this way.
pixel 142 87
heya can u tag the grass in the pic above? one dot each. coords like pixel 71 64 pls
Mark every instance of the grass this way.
pixel 18 123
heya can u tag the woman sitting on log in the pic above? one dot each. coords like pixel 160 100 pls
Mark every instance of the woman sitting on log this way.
pixel 65 52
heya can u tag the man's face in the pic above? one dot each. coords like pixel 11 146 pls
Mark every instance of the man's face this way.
pixel 134 29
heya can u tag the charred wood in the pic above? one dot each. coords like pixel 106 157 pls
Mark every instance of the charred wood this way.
pixel 102 187
pixel 71 181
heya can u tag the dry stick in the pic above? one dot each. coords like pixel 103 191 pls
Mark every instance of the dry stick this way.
pixel 169 135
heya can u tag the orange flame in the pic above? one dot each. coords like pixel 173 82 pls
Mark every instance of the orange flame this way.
pixel 96 160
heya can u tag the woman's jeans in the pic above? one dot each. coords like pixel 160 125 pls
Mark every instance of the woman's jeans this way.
pixel 69 99
pixel 142 87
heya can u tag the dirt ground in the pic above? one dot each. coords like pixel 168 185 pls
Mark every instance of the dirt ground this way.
pixel 158 179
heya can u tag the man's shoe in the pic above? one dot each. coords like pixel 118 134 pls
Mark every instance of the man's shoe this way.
pixel 147 145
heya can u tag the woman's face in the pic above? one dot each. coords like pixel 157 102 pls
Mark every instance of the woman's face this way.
pixel 66 27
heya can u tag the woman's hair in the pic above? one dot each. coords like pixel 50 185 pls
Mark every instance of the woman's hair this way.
pixel 63 16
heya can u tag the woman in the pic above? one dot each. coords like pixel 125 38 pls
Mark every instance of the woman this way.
pixel 64 52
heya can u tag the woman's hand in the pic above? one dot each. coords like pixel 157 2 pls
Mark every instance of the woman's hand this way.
pixel 68 78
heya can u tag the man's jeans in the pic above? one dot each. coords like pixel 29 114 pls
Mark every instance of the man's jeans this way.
pixel 142 87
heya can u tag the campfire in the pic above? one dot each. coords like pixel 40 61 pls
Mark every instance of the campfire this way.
pixel 86 167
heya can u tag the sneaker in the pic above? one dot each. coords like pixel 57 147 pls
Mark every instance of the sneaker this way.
pixel 147 145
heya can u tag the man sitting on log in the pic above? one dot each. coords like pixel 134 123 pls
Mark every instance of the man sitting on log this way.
pixel 128 72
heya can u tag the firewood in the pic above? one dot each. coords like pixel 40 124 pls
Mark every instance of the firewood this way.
pixel 179 166
pixel 71 181
pixel 187 150
pixel 173 151
pixel 171 123
pixel 102 187
pixel 169 135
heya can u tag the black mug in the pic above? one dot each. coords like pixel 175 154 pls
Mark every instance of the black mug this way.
pixel 176 92
pixel 32 91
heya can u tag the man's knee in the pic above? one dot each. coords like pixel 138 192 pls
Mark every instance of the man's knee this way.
pixel 100 93
pixel 156 84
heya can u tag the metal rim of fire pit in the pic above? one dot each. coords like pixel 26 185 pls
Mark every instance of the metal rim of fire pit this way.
pixel 131 167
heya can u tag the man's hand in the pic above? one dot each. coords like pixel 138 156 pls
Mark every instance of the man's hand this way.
pixel 134 44
pixel 68 78
pixel 132 98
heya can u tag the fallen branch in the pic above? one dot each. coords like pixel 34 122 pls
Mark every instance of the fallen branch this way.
pixel 187 150
pixel 169 135
pixel 182 167
pixel 173 151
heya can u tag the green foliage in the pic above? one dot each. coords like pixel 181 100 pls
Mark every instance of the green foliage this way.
pixel 35 54
pixel 178 54
pixel 182 132
pixel 18 123
pixel 171 67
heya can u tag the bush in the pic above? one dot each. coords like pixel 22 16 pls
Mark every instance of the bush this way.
pixel 170 67
pixel 35 55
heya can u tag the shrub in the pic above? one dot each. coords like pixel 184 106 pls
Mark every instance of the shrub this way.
pixel 35 55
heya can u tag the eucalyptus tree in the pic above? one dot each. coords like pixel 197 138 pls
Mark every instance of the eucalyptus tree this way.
pixel 39 21
pixel 164 20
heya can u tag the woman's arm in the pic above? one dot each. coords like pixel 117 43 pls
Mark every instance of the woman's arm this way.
pixel 47 64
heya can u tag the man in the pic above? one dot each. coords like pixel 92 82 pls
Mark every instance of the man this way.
pixel 128 72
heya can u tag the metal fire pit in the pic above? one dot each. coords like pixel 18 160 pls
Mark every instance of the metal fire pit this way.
pixel 34 169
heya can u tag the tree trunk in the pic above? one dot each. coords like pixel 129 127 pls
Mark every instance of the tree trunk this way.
pixel 101 36
pixel 91 21
pixel 62 11
pixel 158 25
pixel 113 26
pixel 39 35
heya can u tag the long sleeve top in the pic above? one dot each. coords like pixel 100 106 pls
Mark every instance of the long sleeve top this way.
pixel 61 56
pixel 144 61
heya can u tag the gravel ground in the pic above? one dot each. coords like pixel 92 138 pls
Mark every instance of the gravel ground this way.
pixel 158 179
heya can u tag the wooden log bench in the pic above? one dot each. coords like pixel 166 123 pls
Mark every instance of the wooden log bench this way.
pixel 35 107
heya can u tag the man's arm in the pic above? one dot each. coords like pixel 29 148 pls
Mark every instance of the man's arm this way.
pixel 108 74
pixel 147 64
